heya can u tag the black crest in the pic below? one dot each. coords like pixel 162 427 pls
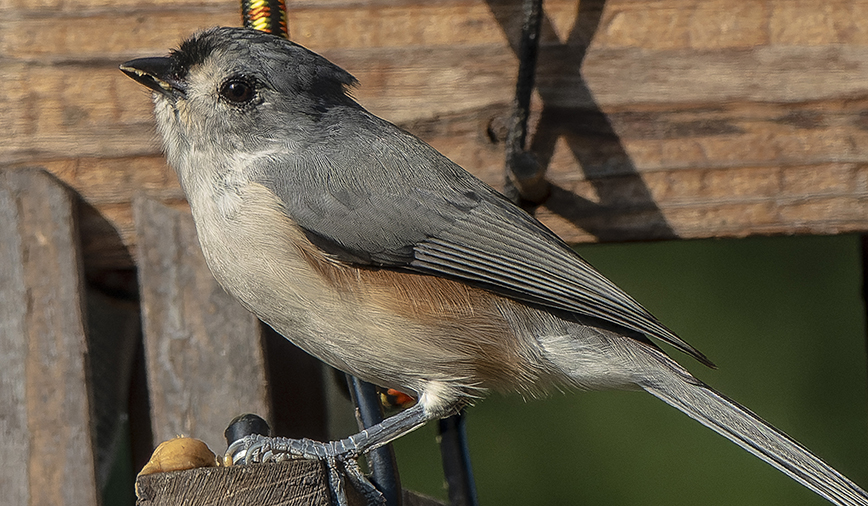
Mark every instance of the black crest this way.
pixel 192 51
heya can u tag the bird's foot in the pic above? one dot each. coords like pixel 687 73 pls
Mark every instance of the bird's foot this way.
pixel 340 457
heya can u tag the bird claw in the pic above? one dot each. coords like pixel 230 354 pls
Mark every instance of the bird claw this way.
pixel 341 463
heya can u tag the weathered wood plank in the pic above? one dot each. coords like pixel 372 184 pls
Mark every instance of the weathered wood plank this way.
pixel 13 383
pixel 672 150
pixel 658 90
pixel 777 73
pixel 60 121
pixel 298 483
pixel 295 483
pixel 48 455
pixel 204 352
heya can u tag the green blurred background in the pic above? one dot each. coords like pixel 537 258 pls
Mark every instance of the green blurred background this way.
pixel 783 319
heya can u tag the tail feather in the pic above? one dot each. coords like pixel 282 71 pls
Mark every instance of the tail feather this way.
pixel 743 427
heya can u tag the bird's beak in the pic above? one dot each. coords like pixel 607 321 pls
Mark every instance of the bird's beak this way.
pixel 157 74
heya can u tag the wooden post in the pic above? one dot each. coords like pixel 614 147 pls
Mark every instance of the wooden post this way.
pixel 203 350
pixel 45 409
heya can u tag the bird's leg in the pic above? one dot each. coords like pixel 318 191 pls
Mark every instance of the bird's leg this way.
pixel 362 484
pixel 336 454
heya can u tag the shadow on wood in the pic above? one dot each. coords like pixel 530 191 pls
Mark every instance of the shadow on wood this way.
pixel 625 208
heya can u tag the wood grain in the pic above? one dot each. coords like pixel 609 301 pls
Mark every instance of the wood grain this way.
pixel 294 483
pixel 638 103
pixel 48 455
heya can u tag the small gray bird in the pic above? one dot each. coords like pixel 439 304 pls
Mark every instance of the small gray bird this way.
pixel 370 250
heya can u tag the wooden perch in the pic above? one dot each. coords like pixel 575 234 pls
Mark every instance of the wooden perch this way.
pixel 295 483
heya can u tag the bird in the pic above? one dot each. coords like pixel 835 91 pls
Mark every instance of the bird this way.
pixel 375 253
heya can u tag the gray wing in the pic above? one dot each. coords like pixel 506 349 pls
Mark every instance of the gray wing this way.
pixel 384 198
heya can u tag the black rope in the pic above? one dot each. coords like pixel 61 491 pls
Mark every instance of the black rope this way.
pixel 525 178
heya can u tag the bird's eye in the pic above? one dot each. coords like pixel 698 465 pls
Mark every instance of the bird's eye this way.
pixel 237 90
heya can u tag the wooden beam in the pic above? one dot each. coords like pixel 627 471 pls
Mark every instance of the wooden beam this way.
pixel 654 118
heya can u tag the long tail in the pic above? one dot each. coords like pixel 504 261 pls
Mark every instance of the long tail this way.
pixel 738 424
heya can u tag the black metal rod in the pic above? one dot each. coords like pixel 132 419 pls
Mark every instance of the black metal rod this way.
pixel 456 461
pixel 381 461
